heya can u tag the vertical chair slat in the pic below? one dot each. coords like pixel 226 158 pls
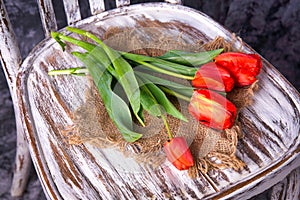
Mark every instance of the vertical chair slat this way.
pixel 180 2
pixel 9 51
pixel 47 16
pixel 120 3
pixel 11 59
pixel 96 6
pixel 72 11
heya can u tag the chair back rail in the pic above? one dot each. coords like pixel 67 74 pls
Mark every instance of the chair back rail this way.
pixel 96 6
pixel 48 18
pixel 72 11
pixel 120 3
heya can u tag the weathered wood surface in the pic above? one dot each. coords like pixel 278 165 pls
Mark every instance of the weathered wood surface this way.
pixel 121 3
pixel 270 146
pixel 72 11
pixel 288 188
pixel 11 60
pixel 174 1
pixel 47 14
pixel 96 6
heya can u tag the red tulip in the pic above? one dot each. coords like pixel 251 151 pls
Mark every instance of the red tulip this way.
pixel 211 76
pixel 243 67
pixel 212 109
pixel 178 153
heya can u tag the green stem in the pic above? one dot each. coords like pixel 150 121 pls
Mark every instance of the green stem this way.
pixel 167 126
pixel 167 65
pixel 160 70
pixel 176 94
pixel 89 35
pixel 59 36
pixel 72 71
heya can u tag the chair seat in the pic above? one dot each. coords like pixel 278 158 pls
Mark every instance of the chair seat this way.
pixel 270 146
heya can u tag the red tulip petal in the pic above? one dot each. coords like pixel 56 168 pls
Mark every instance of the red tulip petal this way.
pixel 178 153
pixel 243 67
pixel 212 109
pixel 244 80
pixel 211 76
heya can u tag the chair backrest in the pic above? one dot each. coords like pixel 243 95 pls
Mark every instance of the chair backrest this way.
pixel 72 11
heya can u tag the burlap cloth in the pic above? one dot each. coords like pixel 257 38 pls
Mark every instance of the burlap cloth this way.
pixel 211 149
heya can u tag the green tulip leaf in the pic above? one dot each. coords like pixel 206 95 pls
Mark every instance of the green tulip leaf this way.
pixel 116 107
pixel 148 101
pixel 190 59
pixel 123 70
pixel 182 89
pixel 163 100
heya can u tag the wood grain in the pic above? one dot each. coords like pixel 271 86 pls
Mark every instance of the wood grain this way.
pixel 288 188
pixel 96 6
pixel 47 16
pixel 72 11
pixel 270 146
pixel 121 3
pixel 11 60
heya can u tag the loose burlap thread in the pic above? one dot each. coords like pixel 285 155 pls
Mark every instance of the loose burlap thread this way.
pixel 211 149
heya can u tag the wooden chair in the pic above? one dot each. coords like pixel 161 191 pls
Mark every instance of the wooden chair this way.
pixel 270 148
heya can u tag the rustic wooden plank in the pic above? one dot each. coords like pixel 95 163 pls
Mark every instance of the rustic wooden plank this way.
pixel 48 103
pixel 23 164
pixel 96 6
pixel 72 11
pixel 289 188
pixel 11 60
pixel 10 54
pixel 47 16
pixel 121 3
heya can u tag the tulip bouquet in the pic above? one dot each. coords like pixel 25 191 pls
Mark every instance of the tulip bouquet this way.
pixel 211 73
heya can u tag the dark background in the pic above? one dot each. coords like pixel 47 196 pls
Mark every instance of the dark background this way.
pixel 271 27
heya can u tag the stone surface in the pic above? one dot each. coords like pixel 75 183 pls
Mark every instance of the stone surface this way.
pixel 271 27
